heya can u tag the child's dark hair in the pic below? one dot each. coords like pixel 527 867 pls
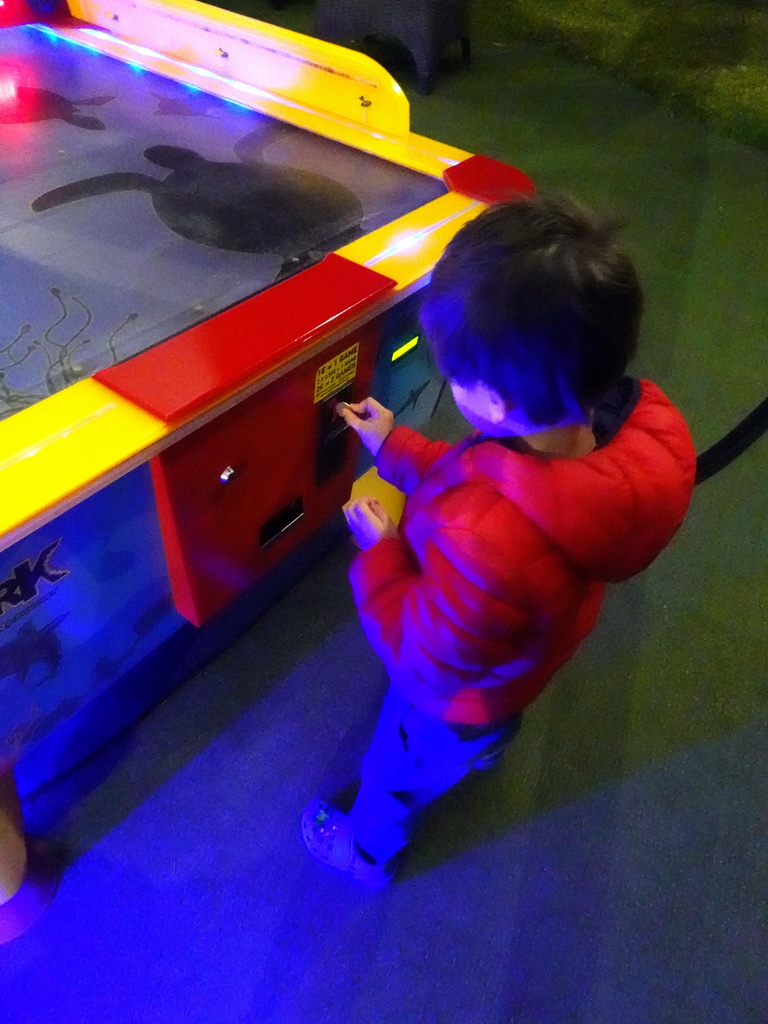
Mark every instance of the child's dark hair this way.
pixel 537 299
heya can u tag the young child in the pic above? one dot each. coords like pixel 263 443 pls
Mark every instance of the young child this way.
pixel 575 476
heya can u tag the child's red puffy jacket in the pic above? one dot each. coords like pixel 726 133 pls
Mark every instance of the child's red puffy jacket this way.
pixel 501 564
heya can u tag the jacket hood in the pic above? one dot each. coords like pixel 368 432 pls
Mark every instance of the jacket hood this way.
pixel 614 510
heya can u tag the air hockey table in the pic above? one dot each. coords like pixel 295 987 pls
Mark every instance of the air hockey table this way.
pixel 211 230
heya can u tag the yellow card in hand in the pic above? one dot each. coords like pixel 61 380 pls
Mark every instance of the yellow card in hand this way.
pixel 371 485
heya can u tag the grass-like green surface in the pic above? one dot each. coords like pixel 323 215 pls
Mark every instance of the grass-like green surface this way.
pixel 708 57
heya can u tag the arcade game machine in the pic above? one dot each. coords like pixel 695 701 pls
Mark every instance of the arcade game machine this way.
pixel 211 230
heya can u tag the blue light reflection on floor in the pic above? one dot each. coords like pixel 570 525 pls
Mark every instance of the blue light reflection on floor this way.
pixel 200 905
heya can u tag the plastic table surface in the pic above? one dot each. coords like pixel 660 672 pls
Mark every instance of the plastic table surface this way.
pixel 133 207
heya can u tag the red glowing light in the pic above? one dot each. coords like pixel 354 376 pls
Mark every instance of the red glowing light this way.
pixel 14 76
pixel 8 86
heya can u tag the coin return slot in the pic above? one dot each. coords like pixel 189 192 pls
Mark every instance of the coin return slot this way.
pixel 281 521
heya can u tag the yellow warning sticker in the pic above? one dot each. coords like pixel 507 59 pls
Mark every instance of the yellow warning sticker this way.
pixel 336 373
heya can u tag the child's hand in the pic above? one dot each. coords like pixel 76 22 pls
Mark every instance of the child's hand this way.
pixel 369 522
pixel 370 420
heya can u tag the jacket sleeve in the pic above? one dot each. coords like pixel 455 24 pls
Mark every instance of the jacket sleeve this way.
pixel 405 457
pixel 460 614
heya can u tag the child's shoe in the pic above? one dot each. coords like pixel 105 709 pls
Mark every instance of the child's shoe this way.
pixel 328 837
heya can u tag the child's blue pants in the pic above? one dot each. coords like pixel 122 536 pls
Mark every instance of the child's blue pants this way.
pixel 413 758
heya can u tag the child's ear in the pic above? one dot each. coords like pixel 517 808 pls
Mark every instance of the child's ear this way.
pixel 498 408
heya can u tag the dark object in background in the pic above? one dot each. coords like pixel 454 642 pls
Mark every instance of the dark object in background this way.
pixel 425 27
pixel 734 443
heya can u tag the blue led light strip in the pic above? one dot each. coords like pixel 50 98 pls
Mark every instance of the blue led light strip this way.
pixel 243 87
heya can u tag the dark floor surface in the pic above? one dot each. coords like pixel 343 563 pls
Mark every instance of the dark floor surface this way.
pixel 613 870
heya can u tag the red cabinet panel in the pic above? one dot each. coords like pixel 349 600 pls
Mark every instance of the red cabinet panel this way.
pixel 238 494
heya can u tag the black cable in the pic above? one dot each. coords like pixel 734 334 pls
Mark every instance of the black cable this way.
pixel 439 396
pixel 735 442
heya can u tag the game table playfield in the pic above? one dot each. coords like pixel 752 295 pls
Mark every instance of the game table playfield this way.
pixel 211 230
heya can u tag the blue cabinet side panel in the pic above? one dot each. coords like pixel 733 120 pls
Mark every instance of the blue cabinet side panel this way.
pixel 82 600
